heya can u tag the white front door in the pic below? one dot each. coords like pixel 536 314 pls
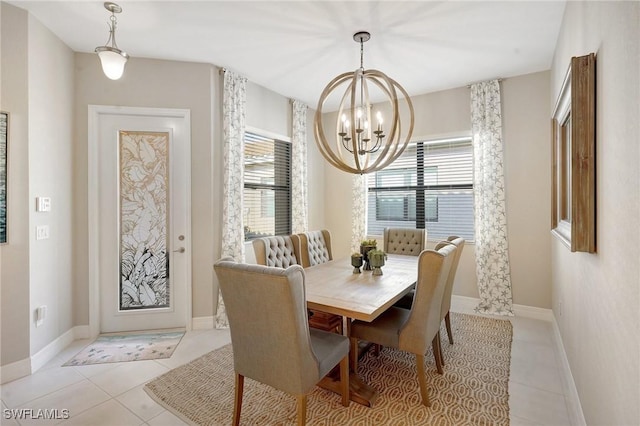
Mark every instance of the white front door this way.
pixel 139 196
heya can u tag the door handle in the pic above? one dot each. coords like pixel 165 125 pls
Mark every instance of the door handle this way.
pixel 180 250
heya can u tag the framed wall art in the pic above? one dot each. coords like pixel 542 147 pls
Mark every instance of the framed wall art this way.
pixel 4 141
pixel 573 214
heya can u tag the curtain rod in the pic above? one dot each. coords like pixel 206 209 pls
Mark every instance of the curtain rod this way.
pixel 222 70
pixel 476 82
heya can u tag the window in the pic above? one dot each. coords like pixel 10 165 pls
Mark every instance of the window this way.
pixel 267 187
pixel 429 186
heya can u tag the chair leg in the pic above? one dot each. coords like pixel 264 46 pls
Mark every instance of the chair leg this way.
pixel 302 409
pixel 440 349
pixel 447 322
pixel 422 380
pixel 344 380
pixel 237 403
pixel 436 353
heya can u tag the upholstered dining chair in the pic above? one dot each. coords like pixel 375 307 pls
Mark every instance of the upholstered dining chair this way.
pixel 407 241
pixel 407 300
pixel 412 330
pixel 315 248
pixel 279 251
pixel 271 339
pixel 448 290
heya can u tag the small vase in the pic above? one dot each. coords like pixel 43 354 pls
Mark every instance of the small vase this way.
pixel 377 262
pixel 364 250
pixel 356 262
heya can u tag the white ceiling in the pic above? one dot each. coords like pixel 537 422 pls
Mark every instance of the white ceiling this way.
pixel 296 47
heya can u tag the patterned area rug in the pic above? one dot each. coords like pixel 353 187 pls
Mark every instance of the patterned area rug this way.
pixel 128 347
pixel 472 390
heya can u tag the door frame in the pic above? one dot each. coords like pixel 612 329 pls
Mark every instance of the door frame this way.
pixel 94 113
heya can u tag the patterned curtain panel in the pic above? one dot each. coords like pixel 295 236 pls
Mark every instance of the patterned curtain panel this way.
pixel 300 221
pixel 492 253
pixel 233 121
pixel 359 216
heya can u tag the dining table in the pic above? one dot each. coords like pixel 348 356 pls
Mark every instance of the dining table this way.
pixel 334 288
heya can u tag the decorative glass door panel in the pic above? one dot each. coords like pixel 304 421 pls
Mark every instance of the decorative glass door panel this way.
pixel 144 220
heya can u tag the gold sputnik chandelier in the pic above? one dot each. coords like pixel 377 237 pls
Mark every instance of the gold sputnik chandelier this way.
pixel 360 145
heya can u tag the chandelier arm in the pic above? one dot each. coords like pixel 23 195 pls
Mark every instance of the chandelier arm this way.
pixel 321 139
pixel 384 159
pixel 354 124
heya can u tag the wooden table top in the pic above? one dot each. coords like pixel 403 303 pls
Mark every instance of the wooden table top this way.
pixel 333 287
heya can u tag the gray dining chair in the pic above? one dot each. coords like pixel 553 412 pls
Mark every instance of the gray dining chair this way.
pixel 446 299
pixel 279 251
pixel 407 241
pixel 315 249
pixel 412 330
pixel 271 339
pixel 407 300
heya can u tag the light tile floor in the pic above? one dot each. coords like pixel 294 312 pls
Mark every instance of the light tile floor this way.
pixel 112 394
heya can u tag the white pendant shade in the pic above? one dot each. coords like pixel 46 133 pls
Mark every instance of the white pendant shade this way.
pixel 112 63
pixel 112 59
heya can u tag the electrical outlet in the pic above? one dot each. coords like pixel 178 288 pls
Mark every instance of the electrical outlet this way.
pixel 42 232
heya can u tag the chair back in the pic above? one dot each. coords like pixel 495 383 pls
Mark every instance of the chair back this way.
pixel 448 289
pixel 315 247
pixel 267 315
pixel 424 320
pixel 406 241
pixel 278 251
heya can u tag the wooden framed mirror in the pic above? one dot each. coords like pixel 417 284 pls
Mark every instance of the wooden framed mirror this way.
pixel 573 214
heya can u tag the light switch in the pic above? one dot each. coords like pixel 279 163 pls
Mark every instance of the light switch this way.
pixel 43 204
pixel 42 232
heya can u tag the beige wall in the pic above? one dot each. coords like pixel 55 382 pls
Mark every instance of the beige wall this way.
pixel 50 174
pixel 526 141
pixel 14 268
pixel 37 85
pixel 596 296
pixel 527 168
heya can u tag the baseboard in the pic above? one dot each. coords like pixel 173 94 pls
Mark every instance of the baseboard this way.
pixel 467 305
pixel 15 370
pixel 202 323
pixel 52 350
pixel 574 407
pixel 30 365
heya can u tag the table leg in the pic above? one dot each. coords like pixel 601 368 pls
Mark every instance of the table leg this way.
pixel 359 391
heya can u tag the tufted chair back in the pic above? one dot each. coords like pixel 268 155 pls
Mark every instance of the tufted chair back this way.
pixel 405 241
pixel 315 247
pixel 278 251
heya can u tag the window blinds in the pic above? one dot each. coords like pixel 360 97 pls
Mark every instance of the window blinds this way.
pixel 267 187
pixel 430 186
